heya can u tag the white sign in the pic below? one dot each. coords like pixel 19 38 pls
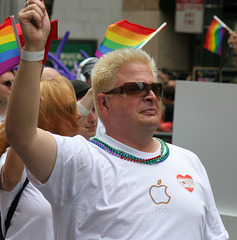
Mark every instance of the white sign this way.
pixel 189 16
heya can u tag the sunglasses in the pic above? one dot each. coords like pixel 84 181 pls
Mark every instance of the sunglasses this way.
pixel 7 83
pixel 138 90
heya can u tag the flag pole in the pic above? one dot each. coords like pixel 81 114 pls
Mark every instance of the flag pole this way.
pixel 16 34
pixel 222 24
pixel 153 34
pixel 229 50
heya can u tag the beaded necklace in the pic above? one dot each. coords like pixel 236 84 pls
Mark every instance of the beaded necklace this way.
pixel 126 156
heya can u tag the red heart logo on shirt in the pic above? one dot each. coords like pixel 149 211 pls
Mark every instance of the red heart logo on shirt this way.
pixel 186 181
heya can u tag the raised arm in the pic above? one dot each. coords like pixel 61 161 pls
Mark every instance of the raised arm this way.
pixel 35 147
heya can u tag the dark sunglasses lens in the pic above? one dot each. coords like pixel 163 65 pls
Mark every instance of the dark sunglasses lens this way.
pixel 140 90
pixel 133 88
pixel 157 89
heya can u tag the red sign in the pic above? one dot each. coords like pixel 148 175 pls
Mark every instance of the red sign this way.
pixel 189 16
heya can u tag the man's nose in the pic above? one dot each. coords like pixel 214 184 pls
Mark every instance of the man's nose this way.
pixel 151 96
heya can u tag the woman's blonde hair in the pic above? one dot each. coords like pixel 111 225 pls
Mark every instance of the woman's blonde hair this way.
pixel 59 105
pixel 104 73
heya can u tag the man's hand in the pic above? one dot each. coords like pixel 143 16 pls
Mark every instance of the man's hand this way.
pixel 35 25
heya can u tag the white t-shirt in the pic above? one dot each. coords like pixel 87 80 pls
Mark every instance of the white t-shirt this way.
pixel 32 218
pixel 95 195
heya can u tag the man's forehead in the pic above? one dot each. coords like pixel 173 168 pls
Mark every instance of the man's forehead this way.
pixel 135 72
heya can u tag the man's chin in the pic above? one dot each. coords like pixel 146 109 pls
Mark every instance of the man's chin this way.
pixel 153 120
pixel 151 125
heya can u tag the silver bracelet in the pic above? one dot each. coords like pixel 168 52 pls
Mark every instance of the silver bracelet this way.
pixel 32 56
pixel 83 110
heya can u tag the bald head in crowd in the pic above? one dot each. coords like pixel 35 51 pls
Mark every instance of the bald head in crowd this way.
pixel 49 73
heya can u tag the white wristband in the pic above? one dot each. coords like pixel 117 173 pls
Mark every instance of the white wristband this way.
pixel 32 56
pixel 83 110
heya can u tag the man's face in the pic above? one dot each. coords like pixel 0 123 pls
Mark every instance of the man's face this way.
pixel 138 112
pixel 6 81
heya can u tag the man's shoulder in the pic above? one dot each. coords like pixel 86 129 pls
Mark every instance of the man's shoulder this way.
pixel 181 150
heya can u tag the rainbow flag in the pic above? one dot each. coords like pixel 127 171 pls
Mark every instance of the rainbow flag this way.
pixel 123 34
pixel 214 37
pixel 9 47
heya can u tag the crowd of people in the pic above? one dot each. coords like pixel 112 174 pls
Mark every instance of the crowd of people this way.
pixel 82 155
pixel 169 79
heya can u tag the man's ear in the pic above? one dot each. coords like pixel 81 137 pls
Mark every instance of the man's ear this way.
pixel 102 100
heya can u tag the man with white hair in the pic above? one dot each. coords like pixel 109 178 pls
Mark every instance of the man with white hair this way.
pixel 125 185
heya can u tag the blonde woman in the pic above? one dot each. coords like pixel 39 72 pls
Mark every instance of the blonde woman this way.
pixel 32 218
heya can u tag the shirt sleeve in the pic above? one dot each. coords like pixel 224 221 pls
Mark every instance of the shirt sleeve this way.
pixel 214 228
pixel 71 171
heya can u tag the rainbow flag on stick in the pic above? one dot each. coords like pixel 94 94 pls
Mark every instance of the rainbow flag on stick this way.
pixel 124 34
pixel 214 36
pixel 9 45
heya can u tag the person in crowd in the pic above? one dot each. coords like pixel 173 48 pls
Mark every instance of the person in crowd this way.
pixel 163 76
pixel 85 68
pixel 80 87
pixel 185 76
pixel 166 123
pixel 232 41
pixel 32 218
pixel 125 185
pixel 166 77
pixel 88 121
pixel 84 74
pixel 6 81
pixel 49 73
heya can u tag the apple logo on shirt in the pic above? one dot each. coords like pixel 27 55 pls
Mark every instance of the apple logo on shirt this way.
pixel 158 193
